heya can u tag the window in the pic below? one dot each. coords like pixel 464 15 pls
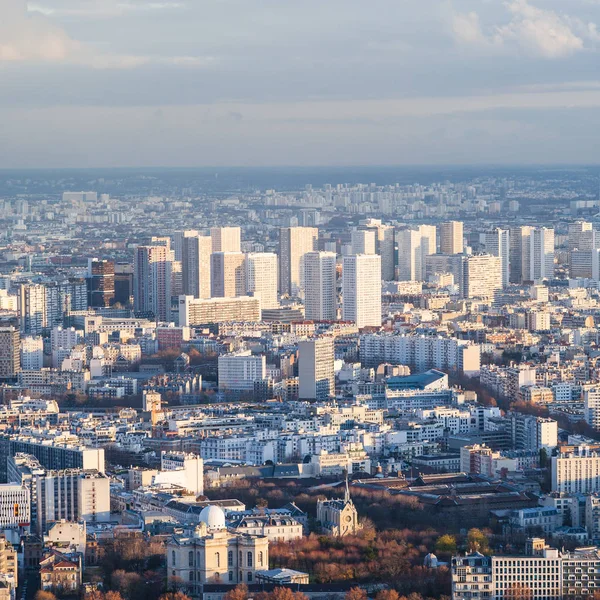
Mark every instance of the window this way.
pixel 260 559
pixel 173 558
pixel 191 558
pixel 218 559
pixel 230 558
pixel 191 575
pixel 249 576
pixel 230 575
pixel 249 559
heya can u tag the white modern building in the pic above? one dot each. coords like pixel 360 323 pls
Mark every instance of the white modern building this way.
pixel 228 274
pixel 361 289
pixel 294 243
pixel 195 264
pixel 261 278
pixel 320 293
pixel 316 369
pixel 413 246
pixel 239 371
pixel 226 239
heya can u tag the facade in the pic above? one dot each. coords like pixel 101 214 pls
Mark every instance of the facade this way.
pixel 320 290
pixel 451 237
pixel 189 467
pixel 57 455
pixel 10 352
pixel 218 310
pixel 497 243
pixel 226 239
pixel 195 264
pixel 294 243
pixel 152 269
pixel 212 554
pixel 363 241
pixel 482 276
pixel 32 353
pixel 32 308
pixel 239 371
pixel 15 506
pixel 338 517
pixel 576 469
pixel 315 369
pixel 361 290
pixel 72 495
pixel 101 283
pixel 591 405
pixel 228 274
pixel 520 254
pixel 543 573
pixel 385 246
pixel 414 245
pixel 421 352
pixel 9 570
pixel 261 278
pixel 541 264
pixel 275 527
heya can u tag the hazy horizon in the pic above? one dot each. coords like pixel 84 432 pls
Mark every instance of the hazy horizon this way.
pixel 233 83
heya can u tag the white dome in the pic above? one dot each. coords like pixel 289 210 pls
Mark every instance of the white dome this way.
pixel 213 517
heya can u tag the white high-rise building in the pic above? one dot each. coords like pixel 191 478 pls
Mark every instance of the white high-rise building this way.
pixel 576 469
pixel 228 274
pixel 520 254
pixel 261 278
pixel 32 308
pixel 591 403
pixel 581 236
pixel 240 370
pixel 497 243
pixel 385 246
pixel 413 246
pixel 32 353
pixel 451 237
pixel 482 276
pixel 195 264
pixel 152 266
pixel 363 241
pixel 294 243
pixel 226 239
pixel 541 265
pixel 361 289
pixel 320 293
pixel 315 369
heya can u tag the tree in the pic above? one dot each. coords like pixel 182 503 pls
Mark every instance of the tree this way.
pixel 284 593
pixel 356 593
pixel 178 596
pixel 41 595
pixel 387 595
pixel 446 544
pixel 477 541
pixel 239 592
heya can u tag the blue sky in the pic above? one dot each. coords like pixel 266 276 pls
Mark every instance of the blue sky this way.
pixel 298 82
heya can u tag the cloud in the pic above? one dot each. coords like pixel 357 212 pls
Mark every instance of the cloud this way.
pixel 540 32
pixel 467 28
pixel 30 36
pixel 543 32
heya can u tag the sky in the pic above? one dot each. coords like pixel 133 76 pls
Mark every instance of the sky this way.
pixel 103 83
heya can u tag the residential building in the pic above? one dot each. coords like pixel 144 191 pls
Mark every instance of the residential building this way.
pixel 451 237
pixel 361 290
pixel 294 243
pixel 261 278
pixel 228 274
pixel 193 312
pixel 226 239
pixel 152 281
pixel 414 245
pixel 196 251
pixel 320 293
pixel 315 369
pixel 239 371
pixel 10 352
